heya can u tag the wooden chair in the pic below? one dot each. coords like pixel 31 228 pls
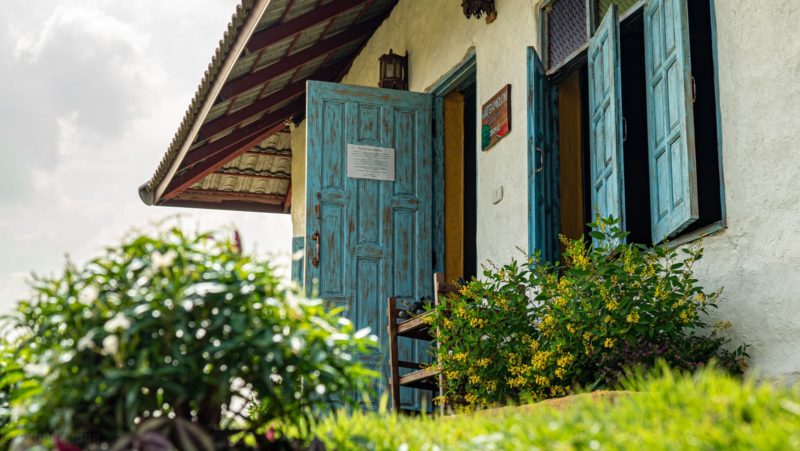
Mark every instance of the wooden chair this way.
pixel 423 377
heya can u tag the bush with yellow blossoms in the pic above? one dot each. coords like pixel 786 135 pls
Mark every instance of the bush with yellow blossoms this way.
pixel 534 330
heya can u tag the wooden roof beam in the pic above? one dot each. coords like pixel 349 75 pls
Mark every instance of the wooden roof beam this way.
pixel 267 121
pixel 214 155
pixel 259 106
pixel 216 196
pixel 279 32
pixel 321 48
pixel 225 205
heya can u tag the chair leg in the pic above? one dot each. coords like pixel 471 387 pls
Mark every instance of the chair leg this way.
pixel 394 370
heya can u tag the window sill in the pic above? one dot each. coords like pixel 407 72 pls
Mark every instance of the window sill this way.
pixel 688 238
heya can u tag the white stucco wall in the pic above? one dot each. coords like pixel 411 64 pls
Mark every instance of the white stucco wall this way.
pixel 298 180
pixel 756 258
pixel 438 37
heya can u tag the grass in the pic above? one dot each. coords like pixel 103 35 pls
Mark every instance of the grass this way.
pixel 670 411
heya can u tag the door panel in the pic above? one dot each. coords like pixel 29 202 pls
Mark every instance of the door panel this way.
pixel 605 110
pixel 375 236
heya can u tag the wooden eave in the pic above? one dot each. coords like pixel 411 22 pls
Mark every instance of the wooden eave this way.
pixel 224 154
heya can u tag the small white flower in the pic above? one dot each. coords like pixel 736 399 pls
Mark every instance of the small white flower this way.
pixel 117 323
pixel 277 378
pixel 36 369
pixel 296 344
pixel 164 260
pixel 88 295
pixel 110 345
pixel 362 333
pixel 86 342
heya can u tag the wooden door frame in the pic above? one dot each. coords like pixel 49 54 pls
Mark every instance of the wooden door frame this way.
pixel 449 82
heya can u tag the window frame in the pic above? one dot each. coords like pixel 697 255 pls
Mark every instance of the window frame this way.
pixel 579 57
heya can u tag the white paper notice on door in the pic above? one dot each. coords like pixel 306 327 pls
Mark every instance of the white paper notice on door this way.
pixel 370 162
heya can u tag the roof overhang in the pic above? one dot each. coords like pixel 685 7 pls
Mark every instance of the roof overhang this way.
pixel 233 149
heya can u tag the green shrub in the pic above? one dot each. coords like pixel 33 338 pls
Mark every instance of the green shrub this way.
pixel 537 330
pixel 174 326
pixel 707 410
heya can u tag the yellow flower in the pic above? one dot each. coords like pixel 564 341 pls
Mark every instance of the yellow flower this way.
pixel 451 375
pixel 587 336
pixel 460 357
pixel 563 284
pixel 474 379
pixel 483 363
pixel 461 312
pixel 560 373
pixel 502 303
pixel 612 305
pixel 448 324
pixel 685 316
pixel 580 261
pixel 478 323
pixel 557 390
pixel 609 343
pixel 565 360
pixel 541 381
pixel 471 398
pixel 491 385
pixel 632 317
pixel 518 381
pixel 541 359
pixel 547 322
pixel 608 319
pixel 571 329
pixel 560 301
pixel 627 262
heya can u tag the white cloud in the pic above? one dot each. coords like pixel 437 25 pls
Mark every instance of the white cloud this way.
pixel 93 91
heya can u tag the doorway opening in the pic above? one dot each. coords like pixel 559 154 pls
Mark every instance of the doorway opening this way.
pixel 459 119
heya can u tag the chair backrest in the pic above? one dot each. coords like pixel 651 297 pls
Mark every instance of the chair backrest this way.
pixel 441 287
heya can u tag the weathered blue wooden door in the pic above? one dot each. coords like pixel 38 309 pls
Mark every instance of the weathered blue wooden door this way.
pixel 670 118
pixel 605 116
pixel 369 239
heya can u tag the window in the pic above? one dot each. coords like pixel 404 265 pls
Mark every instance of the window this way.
pixel 635 121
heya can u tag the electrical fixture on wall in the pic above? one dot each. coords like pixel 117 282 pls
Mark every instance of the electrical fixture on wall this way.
pixel 394 71
pixel 478 8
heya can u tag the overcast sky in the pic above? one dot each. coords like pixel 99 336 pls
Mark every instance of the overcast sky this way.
pixel 91 93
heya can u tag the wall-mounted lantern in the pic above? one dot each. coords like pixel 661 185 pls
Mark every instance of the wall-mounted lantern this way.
pixel 479 8
pixel 394 71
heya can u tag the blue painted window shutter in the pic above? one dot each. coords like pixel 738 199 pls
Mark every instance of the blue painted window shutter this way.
pixel 670 119
pixel 543 196
pixel 605 120
pixel 367 239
